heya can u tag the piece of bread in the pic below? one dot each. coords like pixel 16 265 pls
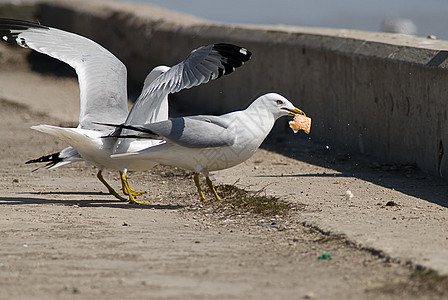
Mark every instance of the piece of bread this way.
pixel 300 122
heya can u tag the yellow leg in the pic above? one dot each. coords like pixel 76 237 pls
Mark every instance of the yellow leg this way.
pixel 127 189
pixel 99 175
pixel 212 188
pixel 196 182
pixel 132 192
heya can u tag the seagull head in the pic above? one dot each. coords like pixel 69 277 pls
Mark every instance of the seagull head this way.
pixel 156 72
pixel 278 105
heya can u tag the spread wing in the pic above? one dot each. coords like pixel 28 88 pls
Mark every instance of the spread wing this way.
pixel 202 65
pixel 101 76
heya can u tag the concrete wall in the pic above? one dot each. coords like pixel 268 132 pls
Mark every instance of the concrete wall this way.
pixel 377 94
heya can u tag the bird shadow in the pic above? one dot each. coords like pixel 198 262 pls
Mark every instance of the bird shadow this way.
pixel 330 175
pixel 84 203
pixel 67 193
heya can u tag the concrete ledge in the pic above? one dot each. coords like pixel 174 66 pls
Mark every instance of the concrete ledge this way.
pixel 376 94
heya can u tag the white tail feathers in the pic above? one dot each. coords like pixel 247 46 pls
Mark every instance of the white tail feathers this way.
pixel 76 137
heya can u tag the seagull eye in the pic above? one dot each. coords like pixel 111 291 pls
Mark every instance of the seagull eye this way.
pixel 279 102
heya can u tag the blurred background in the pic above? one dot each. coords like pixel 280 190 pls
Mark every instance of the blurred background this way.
pixel 419 17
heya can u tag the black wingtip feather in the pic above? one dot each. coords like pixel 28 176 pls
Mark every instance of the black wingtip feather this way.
pixel 233 51
pixel 52 158
pixel 126 126
pixel 235 56
pixel 7 26
pixel 15 24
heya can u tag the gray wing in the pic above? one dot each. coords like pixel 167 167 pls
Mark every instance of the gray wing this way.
pixel 101 76
pixel 202 65
pixel 190 132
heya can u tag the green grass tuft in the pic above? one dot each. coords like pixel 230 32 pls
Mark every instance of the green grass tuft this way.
pixel 420 282
pixel 431 279
pixel 240 199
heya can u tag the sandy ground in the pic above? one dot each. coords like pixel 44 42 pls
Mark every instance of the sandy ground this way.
pixel 64 237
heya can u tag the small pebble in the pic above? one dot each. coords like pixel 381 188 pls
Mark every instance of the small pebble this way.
pixel 309 295
pixel 348 195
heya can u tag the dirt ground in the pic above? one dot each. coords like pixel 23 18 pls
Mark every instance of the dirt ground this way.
pixel 64 237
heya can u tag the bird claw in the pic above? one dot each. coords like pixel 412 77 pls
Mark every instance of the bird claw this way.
pixel 133 201
pixel 133 193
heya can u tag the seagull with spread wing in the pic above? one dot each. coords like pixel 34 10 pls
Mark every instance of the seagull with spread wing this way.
pixel 103 94
pixel 203 143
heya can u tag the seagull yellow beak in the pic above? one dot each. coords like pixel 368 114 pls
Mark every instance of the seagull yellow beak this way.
pixel 294 111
